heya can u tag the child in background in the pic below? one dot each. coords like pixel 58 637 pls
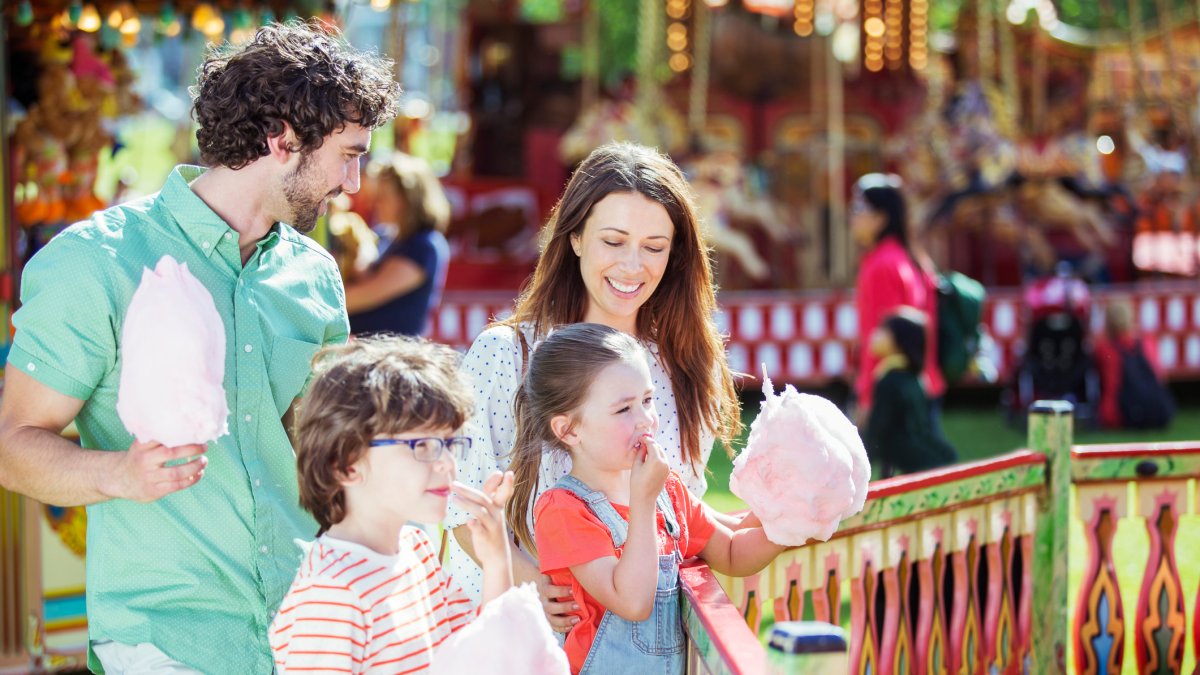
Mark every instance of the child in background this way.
pixel 376 449
pixel 901 435
pixel 615 529
pixel 1133 390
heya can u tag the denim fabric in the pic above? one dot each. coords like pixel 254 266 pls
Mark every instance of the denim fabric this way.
pixel 654 646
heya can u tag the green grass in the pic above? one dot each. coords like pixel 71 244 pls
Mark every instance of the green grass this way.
pixel 981 432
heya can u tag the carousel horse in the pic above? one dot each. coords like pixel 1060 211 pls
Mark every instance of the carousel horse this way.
pixel 721 198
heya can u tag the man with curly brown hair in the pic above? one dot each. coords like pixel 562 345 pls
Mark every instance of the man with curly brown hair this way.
pixel 184 575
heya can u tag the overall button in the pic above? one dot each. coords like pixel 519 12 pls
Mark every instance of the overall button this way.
pixel 248 348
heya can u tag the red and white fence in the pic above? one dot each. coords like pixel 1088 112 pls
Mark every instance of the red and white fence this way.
pixel 809 338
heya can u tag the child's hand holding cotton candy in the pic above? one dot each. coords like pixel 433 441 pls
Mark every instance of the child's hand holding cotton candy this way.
pixel 510 635
pixel 804 468
pixel 172 360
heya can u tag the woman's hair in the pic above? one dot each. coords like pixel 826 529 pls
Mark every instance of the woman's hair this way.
pixel 907 327
pixel 557 380
pixel 301 74
pixel 677 317
pixel 425 204
pixel 882 192
pixel 363 389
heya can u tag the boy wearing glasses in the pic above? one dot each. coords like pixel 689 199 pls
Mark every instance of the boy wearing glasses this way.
pixel 376 448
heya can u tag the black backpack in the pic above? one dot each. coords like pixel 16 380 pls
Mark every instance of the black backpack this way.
pixel 1145 402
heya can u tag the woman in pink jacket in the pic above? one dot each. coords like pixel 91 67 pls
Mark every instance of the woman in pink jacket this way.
pixel 890 276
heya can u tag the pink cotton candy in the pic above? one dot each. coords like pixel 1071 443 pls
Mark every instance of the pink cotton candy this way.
pixel 172 360
pixel 804 468
pixel 510 635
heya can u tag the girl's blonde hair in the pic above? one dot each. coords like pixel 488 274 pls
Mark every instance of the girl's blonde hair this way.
pixel 425 203
pixel 561 370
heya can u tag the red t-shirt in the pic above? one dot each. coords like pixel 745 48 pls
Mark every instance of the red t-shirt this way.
pixel 1108 360
pixel 568 534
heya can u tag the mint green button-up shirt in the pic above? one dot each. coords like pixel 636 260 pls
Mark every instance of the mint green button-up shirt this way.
pixel 198 573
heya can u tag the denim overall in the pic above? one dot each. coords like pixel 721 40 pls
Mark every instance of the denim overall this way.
pixel 654 646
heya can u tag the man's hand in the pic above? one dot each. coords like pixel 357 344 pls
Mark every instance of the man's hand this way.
pixel 142 474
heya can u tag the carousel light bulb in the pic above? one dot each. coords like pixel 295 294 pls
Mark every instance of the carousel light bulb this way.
pixel 89 19
pixel 172 29
pixel 214 27
pixel 874 27
pixel 115 19
pixel 1105 145
pixel 202 16
pixel 716 3
pixel 380 5
pixel 131 26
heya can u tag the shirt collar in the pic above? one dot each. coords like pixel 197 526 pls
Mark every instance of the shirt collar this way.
pixel 196 219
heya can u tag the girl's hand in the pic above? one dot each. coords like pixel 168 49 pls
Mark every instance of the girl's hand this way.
pixel 489 532
pixel 649 473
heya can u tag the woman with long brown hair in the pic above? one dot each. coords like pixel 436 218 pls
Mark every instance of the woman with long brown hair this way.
pixel 622 248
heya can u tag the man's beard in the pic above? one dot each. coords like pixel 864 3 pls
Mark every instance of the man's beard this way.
pixel 296 190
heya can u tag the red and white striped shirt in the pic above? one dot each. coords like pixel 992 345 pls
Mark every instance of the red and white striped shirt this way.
pixel 352 610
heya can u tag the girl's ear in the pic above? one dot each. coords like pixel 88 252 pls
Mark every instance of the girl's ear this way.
pixel 564 430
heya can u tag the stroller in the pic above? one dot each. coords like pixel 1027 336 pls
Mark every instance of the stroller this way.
pixel 1057 361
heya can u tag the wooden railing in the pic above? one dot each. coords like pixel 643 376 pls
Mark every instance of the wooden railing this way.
pixel 965 569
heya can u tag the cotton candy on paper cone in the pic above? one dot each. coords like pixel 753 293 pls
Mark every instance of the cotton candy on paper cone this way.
pixel 510 635
pixel 172 360
pixel 804 468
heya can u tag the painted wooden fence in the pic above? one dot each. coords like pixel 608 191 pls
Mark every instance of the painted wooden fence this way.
pixel 964 570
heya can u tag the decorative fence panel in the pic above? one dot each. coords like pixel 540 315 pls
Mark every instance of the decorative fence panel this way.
pixel 965 570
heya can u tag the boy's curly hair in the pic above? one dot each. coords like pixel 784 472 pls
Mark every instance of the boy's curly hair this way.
pixel 301 73
pixel 366 388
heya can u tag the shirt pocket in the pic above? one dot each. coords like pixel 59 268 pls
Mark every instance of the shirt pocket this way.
pixel 289 368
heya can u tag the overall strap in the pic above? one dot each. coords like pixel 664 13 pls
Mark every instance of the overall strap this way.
pixel 670 518
pixel 600 507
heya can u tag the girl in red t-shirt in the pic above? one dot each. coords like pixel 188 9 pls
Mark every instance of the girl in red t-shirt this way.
pixel 615 529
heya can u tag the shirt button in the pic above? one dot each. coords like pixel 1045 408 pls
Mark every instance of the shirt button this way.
pixel 248 348
pixel 31 367
pixel 257 482
pixel 228 235
pixel 204 245
pixel 247 418
pixel 263 549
